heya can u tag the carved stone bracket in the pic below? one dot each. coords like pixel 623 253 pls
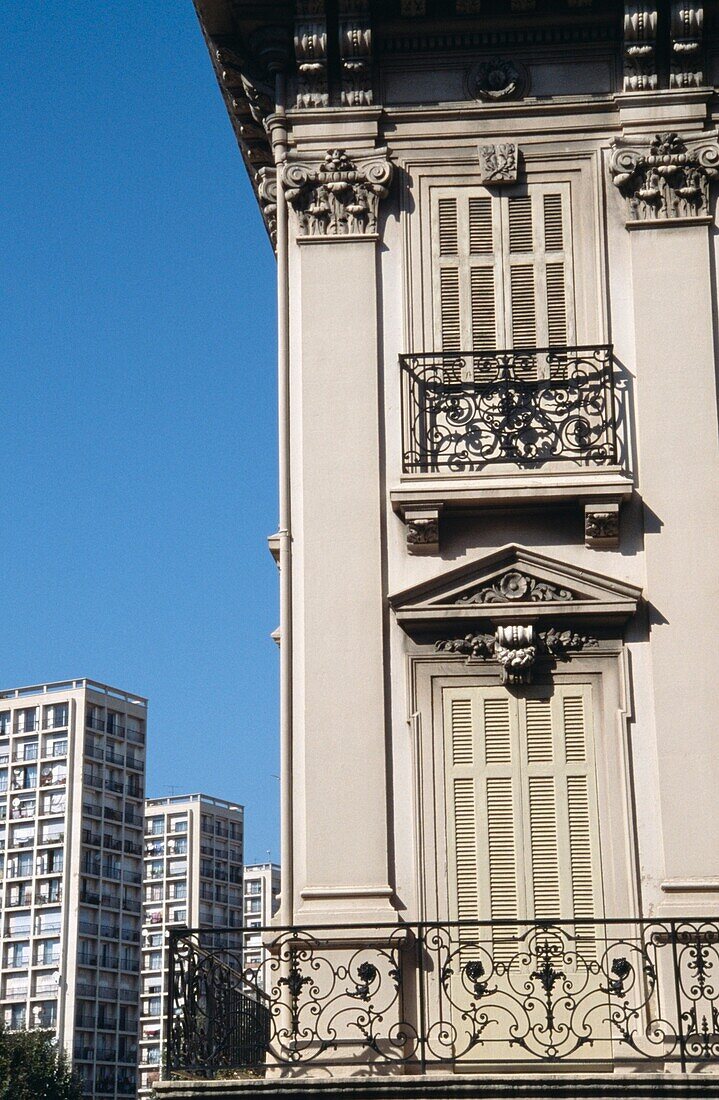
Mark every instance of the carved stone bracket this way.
pixel 498 163
pixel 516 648
pixel 601 526
pixel 640 47
pixel 267 194
pixel 687 25
pixel 355 37
pixel 668 179
pixel 422 530
pixel 311 53
pixel 339 197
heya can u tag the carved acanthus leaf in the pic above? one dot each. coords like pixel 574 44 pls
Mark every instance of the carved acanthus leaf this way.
pixel 516 648
pixel 516 587
pixel 497 79
pixel 498 163
pixel 338 197
pixel 669 179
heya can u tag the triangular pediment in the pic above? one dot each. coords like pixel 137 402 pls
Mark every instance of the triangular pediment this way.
pixel 516 584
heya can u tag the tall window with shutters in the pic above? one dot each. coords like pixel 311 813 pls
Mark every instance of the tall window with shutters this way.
pixel 502 269
pixel 523 825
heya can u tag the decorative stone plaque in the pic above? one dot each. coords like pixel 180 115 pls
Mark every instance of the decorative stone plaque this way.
pixel 498 163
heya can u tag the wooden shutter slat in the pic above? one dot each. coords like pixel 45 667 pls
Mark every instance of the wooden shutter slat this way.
pixel 523 306
pixel 481 235
pixel 465 849
pixel 462 732
pixel 521 236
pixel 539 731
pixel 556 305
pixel 449 309
pixel 553 223
pixel 574 736
pixel 484 320
pixel 497 732
pixel 448 236
pixel 544 848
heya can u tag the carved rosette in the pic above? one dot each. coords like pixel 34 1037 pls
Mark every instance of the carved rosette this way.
pixel 517 648
pixel 669 179
pixel 640 52
pixel 355 38
pixel 496 80
pixel 311 53
pixel 687 26
pixel 498 163
pixel 339 197
pixel 516 587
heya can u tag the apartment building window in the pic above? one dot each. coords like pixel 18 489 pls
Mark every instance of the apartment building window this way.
pixel 48 953
pixel 18 954
pixel 23 778
pixel 155 826
pixel 178 915
pixel 253 887
pixel 153 893
pixel 179 825
pixel 253 905
pixel 177 890
pixel 177 847
pixel 55 716
pixel 15 1017
pixel 58 747
pixel 5 717
pixel 26 720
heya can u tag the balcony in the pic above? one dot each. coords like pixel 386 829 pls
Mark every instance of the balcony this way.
pixel 588 997
pixel 528 425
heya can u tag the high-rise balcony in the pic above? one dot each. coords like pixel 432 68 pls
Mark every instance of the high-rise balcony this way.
pixel 590 996
pixel 524 425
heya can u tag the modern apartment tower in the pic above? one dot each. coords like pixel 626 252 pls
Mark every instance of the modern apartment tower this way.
pixel 261 898
pixel 72 786
pixel 192 877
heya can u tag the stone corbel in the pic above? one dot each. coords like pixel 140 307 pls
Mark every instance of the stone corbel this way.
pixel 422 528
pixel 311 53
pixel 267 194
pixel 498 163
pixel 666 180
pixel 355 38
pixel 339 197
pixel 687 25
pixel 640 52
pixel 601 526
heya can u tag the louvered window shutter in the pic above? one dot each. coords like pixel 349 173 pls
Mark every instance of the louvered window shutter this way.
pixel 502 269
pixel 466 252
pixel 523 828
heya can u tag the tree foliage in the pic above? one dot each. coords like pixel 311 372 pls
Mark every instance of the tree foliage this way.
pixel 34 1067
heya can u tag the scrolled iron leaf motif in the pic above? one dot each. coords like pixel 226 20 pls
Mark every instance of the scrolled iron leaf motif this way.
pixel 338 197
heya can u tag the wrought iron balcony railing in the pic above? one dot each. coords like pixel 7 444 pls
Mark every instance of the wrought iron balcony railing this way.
pixel 526 406
pixel 610 993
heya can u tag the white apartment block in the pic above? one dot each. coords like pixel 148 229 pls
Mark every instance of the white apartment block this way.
pixel 192 878
pixel 72 784
pixel 261 893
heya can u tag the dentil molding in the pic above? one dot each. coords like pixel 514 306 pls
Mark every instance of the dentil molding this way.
pixel 339 197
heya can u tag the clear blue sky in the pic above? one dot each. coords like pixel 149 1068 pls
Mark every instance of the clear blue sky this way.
pixel 138 443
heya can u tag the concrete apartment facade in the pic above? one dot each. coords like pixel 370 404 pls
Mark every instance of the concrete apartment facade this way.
pixel 72 786
pixel 192 877
pixel 261 888
pixel 495 227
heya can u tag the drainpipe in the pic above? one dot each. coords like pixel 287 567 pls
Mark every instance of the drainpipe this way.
pixel 278 130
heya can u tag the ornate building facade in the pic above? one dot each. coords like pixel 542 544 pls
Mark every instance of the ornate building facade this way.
pixel 498 543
